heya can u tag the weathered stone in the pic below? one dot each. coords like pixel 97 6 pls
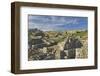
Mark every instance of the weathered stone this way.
pixel 44 49
pixel 56 45
pixel 82 52
pixel 72 43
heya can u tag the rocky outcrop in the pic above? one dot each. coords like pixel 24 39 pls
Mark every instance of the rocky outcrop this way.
pixel 56 45
pixel 82 52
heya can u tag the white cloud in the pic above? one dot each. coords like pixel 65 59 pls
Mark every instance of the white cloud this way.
pixel 53 22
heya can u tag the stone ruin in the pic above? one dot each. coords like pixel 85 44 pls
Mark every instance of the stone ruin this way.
pixel 40 49
pixel 70 47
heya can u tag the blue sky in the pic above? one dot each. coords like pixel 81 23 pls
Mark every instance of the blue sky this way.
pixel 57 23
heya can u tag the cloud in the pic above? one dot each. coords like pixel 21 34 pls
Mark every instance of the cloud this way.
pixel 57 22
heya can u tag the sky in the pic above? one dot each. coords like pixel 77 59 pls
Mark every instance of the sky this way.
pixel 57 23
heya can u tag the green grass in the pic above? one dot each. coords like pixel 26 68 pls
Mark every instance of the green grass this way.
pixel 81 33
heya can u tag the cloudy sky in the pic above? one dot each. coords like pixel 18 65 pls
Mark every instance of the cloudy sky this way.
pixel 57 23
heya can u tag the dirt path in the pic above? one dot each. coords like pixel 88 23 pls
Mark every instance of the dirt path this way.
pixel 60 47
